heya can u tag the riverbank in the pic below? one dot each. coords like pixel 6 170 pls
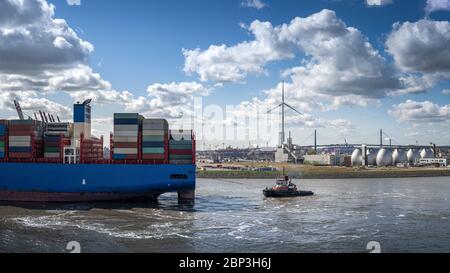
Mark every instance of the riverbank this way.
pixel 314 172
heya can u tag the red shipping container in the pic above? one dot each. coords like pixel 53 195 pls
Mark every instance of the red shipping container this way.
pixel 20 133
pixel 20 155
pixel 51 143
pixel 153 156
pixel 180 152
pixel 125 145
pixel 22 127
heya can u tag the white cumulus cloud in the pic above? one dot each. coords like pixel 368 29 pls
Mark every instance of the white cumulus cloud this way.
pixel 436 5
pixel 61 43
pixel 32 40
pixel 446 92
pixel 341 67
pixel 378 2
pixel 341 61
pixel 420 112
pixel 40 53
pixel 31 103
pixel 163 100
pixel 74 2
pixel 257 4
pixel 421 46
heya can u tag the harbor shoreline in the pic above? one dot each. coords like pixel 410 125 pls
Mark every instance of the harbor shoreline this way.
pixel 328 173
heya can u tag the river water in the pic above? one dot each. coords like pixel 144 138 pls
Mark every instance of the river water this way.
pixel 402 215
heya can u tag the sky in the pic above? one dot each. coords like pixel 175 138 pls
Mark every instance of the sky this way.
pixel 350 67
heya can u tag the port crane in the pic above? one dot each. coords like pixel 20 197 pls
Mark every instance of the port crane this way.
pixel 45 117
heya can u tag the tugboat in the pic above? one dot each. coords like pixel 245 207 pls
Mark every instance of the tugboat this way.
pixel 285 188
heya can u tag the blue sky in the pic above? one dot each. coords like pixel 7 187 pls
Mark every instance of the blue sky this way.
pixel 139 43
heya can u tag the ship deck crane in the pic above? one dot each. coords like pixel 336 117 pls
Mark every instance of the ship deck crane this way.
pixel 19 110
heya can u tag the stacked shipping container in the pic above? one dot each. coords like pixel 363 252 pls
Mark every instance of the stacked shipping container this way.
pixel 61 128
pixel 3 134
pixel 126 136
pixel 91 149
pixel 181 147
pixel 154 139
pixel 150 140
pixel 25 139
pixel 56 136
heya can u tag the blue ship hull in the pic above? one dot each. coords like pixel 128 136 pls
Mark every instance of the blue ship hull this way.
pixel 27 182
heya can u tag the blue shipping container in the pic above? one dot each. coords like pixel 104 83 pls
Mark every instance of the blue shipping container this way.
pixel 52 138
pixel 20 149
pixel 153 144
pixel 119 156
pixel 124 121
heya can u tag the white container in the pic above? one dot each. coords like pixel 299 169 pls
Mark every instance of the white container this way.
pixel 19 138
pixel 126 133
pixel 126 151
pixel 125 139
pixel 20 144
pixel 51 155
pixel 126 128
pixel 153 132
pixel 155 127
pixel 155 124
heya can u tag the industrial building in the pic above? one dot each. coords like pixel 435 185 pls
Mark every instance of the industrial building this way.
pixel 349 155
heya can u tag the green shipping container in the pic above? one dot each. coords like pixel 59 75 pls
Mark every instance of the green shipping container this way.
pixel 153 138
pixel 180 147
pixel 2 144
pixel 180 142
pixel 51 150
pixel 180 157
pixel 51 155
pixel 153 150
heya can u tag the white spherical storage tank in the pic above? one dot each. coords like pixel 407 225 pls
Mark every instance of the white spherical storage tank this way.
pixel 384 158
pixel 356 158
pixel 372 157
pixel 399 156
pixel 426 153
pixel 412 156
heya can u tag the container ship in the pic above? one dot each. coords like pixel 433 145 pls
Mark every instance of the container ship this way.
pixel 51 161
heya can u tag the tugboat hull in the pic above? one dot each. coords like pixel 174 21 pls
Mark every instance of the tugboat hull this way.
pixel 285 194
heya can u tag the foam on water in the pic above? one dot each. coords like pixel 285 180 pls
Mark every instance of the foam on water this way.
pixel 235 217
